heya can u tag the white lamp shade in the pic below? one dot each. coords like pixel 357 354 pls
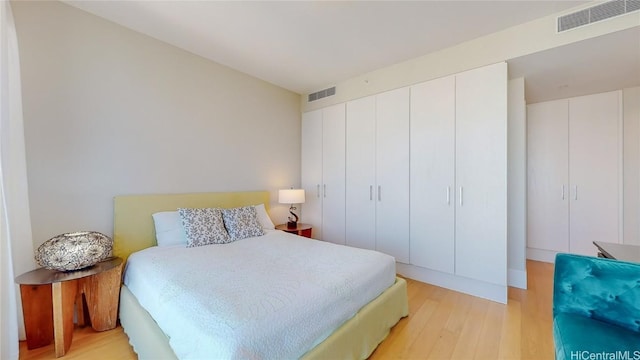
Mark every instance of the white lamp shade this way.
pixel 291 196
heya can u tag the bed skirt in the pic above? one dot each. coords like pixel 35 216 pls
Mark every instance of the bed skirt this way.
pixel 355 339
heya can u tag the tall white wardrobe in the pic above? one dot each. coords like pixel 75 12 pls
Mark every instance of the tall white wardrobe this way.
pixel 377 181
pixel 424 175
pixel 459 176
pixel 574 174
pixel 323 172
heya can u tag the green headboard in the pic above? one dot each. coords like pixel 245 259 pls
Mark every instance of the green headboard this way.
pixel 133 228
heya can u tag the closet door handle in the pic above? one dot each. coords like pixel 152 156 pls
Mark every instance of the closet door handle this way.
pixel 370 192
pixel 575 192
pixel 460 195
pixel 379 193
pixel 448 195
pixel 318 191
pixel 324 190
pixel 563 192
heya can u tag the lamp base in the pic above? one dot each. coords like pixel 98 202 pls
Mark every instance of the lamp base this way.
pixel 292 224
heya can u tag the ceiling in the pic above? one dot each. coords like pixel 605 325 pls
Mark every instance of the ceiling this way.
pixel 305 46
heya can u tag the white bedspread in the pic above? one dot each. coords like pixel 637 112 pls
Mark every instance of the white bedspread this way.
pixel 270 297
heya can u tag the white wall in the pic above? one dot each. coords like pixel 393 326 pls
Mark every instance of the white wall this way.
pixel 631 198
pixel 109 111
pixel 517 185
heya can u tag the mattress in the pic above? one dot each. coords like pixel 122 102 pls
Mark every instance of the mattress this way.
pixel 270 297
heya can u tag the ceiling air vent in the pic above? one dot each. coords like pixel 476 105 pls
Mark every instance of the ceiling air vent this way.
pixel 597 13
pixel 324 93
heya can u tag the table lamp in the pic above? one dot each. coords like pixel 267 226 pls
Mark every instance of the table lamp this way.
pixel 291 197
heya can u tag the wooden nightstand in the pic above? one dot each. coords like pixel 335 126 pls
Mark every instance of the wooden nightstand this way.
pixel 49 296
pixel 301 229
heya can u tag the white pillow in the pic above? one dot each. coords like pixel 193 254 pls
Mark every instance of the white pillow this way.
pixel 169 229
pixel 263 217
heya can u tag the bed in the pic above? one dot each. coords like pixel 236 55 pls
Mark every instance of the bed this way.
pixel 134 232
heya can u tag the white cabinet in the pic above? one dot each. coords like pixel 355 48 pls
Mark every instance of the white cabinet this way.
pixel 424 170
pixel 311 170
pixel 323 172
pixel 459 175
pixel 481 174
pixel 361 173
pixel 377 186
pixel 548 176
pixel 333 174
pixel 433 174
pixel 594 170
pixel 392 173
pixel 574 172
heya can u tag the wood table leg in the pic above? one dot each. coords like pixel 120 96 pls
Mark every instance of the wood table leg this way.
pixel 80 310
pixel 63 296
pixel 38 315
pixel 102 293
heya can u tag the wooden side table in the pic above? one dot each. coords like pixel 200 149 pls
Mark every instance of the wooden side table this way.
pixel 301 229
pixel 49 296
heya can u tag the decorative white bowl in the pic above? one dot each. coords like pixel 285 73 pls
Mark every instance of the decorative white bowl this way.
pixel 73 251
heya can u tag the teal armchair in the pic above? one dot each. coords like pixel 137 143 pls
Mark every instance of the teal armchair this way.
pixel 596 308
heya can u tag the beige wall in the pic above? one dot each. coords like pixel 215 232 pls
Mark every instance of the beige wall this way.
pixel 109 111
pixel 516 41
pixel 631 198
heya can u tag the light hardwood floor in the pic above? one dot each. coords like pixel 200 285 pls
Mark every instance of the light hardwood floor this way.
pixel 442 324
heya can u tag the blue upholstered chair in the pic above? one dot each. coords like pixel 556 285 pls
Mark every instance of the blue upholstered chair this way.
pixel 596 307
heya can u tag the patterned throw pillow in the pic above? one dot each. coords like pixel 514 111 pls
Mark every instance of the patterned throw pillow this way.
pixel 242 222
pixel 203 227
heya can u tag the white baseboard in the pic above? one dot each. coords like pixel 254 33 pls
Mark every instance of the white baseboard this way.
pixel 493 292
pixel 517 278
pixel 541 255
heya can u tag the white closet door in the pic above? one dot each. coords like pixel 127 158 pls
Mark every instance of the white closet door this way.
pixel 481 174
pixel 333 173
pixel 311 175
pixel 361 175
pixel 594 153
pixel 432 174
pixel 392 173
pixel 548 175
